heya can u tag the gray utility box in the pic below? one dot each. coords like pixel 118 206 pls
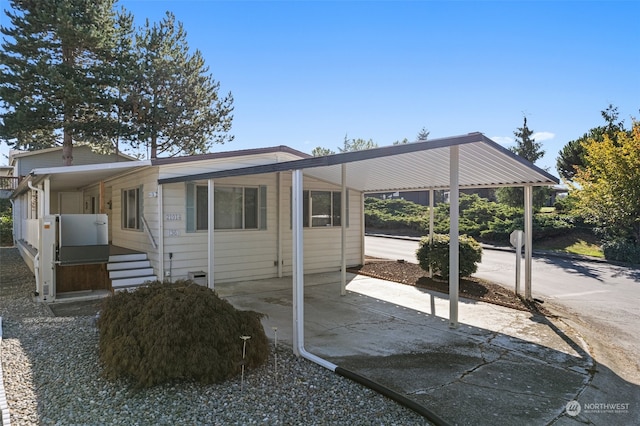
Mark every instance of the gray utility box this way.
pixel 198 277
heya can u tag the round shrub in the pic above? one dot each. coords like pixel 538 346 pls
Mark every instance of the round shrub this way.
pixel 170 331
pixel 621 250
pixel 436 255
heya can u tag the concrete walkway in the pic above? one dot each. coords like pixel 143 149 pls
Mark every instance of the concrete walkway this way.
pixel 501 366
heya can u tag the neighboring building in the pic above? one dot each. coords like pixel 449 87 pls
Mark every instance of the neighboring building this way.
pixel 23 162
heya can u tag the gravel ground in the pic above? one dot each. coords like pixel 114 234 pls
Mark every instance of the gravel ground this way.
pixel 52 377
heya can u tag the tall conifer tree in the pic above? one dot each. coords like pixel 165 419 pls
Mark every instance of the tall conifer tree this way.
pixel 177 108
pixel 527 148
pixel 54 85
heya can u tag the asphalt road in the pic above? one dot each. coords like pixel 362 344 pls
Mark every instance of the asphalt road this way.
pixel 599 299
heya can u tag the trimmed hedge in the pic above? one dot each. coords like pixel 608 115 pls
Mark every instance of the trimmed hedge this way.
pixel 436 255
pixel 172 331
pixel 479 218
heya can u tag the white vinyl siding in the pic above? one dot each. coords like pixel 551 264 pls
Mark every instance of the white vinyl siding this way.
pixel 243 254
pixel 239 254
pixel 148 180
pixel 322 245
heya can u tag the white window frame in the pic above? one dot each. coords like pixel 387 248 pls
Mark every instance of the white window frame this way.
pixel 136 209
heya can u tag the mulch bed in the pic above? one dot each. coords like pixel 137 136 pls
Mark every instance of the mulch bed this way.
pixel 470 287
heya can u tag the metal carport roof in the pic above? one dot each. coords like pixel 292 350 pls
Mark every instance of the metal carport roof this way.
pixel 467 161
pixel 412 166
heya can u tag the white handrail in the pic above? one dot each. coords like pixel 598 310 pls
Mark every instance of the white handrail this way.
pixel 148 232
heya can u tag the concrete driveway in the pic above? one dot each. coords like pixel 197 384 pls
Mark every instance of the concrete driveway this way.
pixel 500 366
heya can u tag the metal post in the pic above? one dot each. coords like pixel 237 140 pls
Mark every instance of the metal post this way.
pixel 211 235
pixel 343 232
pixel 161 272
pixel 454 249
pixel 518 259
pixel 431 222
pixel 528 235
pixel 279 222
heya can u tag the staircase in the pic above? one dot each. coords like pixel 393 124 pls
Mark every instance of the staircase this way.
pixel 128 271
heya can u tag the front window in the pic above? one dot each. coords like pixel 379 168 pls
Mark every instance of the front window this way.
pixel 234 207
pixel 322 209
pixel 131 208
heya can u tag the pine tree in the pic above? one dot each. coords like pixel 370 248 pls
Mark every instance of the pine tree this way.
pixel 527 148
pixel 54 84
pixel 423 134
pixel 177 109
pixel 349 145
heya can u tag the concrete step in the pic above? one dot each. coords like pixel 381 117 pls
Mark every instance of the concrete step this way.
pixel 132 282
pixel 129 273
pixel 127 257
pixel 128 265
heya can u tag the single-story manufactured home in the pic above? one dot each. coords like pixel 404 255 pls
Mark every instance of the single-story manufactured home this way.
pixel 238 215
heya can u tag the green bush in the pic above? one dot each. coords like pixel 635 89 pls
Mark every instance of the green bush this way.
pixel 436 255
pixel 621 250
pixel 479 218
pixel 167 331
pixel 395 214
pixel 6 223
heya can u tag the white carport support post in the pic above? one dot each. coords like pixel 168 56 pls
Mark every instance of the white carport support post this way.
pixel 343 232
pixel 298 261
pixel 528 237
pixel 454 250
pixel 161 272
pixel 210 235
pixel 431 221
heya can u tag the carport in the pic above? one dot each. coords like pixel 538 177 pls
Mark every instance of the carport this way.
pixel 454 163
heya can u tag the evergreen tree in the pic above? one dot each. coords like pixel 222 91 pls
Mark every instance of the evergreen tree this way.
pixel 321 152
pixel 527 148
pixel 55 73
pixel 349 145
pixel 423 135
pixel 176 105
pixel 122 74
pixel 571 156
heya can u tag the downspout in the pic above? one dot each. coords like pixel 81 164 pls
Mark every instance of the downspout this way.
pixel 298 311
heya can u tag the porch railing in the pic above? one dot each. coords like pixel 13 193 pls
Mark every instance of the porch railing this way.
pixel 9 182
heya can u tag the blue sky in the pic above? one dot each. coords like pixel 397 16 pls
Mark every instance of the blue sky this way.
pixel 305 74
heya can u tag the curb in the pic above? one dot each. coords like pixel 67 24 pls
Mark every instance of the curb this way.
pixel 4 407
pixel 538 253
